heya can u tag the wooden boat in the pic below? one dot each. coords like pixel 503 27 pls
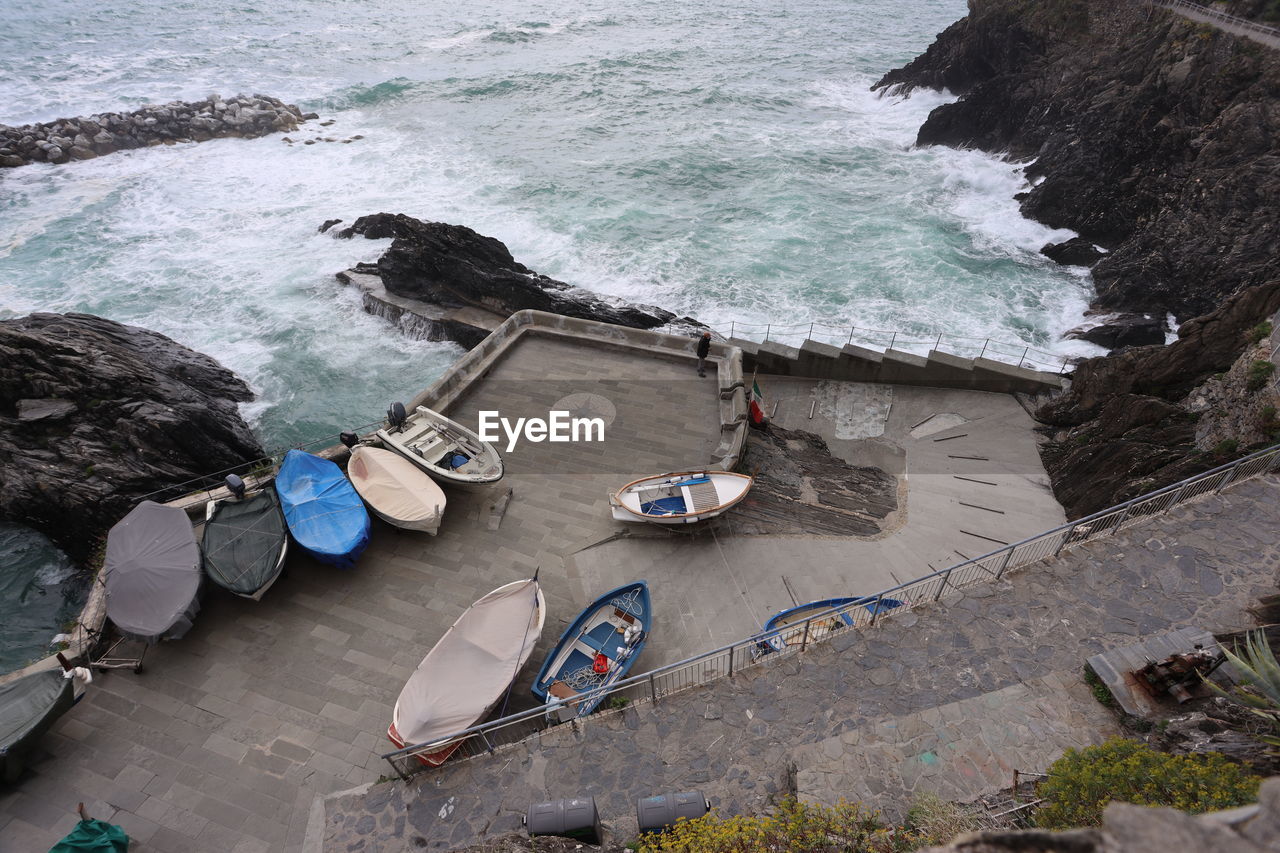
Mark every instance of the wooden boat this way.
pixel 596 650
pixel 777 637
pixel 464 677
pixel 322 509
pixel 398 492
pixel 28 707
pixel 245 540
pixel 680 498
pixel 152 573
pixel 443 448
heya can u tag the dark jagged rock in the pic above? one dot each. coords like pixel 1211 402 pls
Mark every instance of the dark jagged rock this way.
pixel 1158 139
pixel 1123 330
pixel 94 414
pixel 66 139
pixel 453 266
pixel 1155 138
pixel 1076 252
pixel 328 223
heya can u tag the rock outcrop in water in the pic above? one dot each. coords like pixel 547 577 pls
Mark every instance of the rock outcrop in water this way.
pixel 451 266
pixel 245 116
pixel 1157 139
pixel 94 414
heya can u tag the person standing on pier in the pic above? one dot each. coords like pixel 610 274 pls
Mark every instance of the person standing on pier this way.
pixel 704 349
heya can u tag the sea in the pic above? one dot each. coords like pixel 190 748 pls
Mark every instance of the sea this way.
pixel 722 160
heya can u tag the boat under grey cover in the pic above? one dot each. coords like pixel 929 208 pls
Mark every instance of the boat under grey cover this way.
pixel 152 571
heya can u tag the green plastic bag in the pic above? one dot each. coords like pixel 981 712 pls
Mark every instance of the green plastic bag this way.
pixel 94 835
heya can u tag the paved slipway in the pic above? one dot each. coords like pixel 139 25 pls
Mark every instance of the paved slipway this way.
pixel 949 699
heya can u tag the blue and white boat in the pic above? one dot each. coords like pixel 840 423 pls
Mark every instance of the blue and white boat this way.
pixel 595 651
pixel 777 637
pixel 323 510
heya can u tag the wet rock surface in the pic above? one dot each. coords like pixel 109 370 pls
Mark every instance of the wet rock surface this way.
pixel 1157 139
pixel 1123 330
pixel 64 140
pixel 801 487
pixel 94 414
pixel 452 266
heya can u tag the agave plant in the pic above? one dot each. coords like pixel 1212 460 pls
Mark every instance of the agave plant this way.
pixel 1259 690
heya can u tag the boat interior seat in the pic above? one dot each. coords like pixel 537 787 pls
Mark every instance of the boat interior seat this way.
pixel 429 451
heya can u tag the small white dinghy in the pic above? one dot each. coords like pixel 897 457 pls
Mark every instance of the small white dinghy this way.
pixel 398 492
pixel 464 677
pixel 443 448
pixel 680 498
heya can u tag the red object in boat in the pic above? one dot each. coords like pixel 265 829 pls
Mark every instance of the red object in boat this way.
pixel 601 663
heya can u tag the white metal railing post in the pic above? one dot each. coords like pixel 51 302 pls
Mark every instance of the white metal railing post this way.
pixel 893 340
pixel 875 610
pixel 1230 478
pixel 732 325
pixel 938 345
pixel 942 585
pixel 810 331
pixel 653 688
pixel 767 327
pixel 1067 534
pixel 851 328
pixel 804 641
pixel 732 649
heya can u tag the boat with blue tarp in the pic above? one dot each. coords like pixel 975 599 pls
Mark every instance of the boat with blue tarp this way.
pixel 324 513
pixel 595 651
pixel 776 637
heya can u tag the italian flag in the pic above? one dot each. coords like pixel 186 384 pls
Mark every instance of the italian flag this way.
pixel 755 403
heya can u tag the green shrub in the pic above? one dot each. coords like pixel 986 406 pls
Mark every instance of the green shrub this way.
pixel 1226 447
pixel 1101 692
pixel 1259 372
pixel 1082 782
pixel 618 702
pixel 1260 331
pixel 794 827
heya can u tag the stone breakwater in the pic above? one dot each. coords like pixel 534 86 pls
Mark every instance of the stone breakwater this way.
pixel 64 140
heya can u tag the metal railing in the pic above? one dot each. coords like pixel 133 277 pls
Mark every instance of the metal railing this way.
pixel 1222 17
pixel 784 642
pixel 966 346
pixel 206 484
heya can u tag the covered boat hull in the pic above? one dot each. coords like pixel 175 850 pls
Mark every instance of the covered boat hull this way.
pixel 245 543
pixel 396 490
pixel 152 572
pixel 465 676
pixel 444 448
pixel 28 707
pixel 684 497
pixel 568 677
pixel 324 514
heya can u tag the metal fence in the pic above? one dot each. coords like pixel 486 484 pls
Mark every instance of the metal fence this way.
pixel 1222 17
pixel 966 346
pixel 203 487
pixel 781 643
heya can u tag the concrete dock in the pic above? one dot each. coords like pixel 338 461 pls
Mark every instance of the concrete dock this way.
pixel 228 738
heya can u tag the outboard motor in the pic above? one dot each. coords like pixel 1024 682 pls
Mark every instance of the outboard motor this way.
pixel 396 415
pixel 350 439
pixel 236 485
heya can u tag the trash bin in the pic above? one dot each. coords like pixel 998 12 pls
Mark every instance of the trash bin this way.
pixel 655 814
pixel 575 818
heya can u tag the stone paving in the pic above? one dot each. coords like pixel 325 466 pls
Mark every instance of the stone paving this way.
pixel 948 699
pixel 229 736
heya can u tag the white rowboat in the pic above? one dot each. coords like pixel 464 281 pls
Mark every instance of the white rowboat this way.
pixel 680 498
pixel 443 448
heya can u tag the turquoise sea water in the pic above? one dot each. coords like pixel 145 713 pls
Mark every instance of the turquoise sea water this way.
pixel 724 160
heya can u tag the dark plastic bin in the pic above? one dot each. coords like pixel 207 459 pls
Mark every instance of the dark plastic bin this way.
pixel 575 818
pixel 655 814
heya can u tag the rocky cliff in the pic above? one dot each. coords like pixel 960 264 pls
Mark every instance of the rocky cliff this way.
pixel 68 139
pixel 1158 140
pixel 451 266
pixel 94 414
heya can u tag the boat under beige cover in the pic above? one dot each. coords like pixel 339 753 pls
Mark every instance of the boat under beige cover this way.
pixel 466 674
pixel 397 491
